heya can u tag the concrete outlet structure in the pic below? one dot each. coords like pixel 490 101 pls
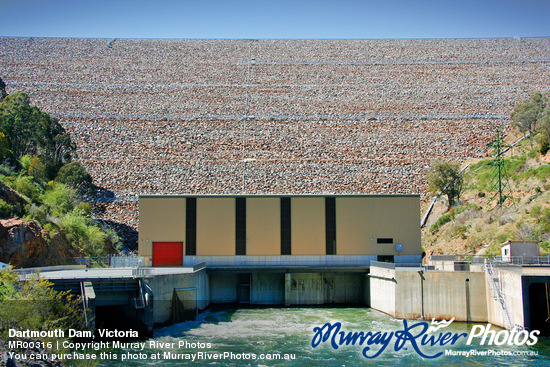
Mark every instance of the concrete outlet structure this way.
pixel 305 250
pixel 292 250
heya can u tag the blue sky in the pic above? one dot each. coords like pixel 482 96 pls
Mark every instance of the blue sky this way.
pixel 275 19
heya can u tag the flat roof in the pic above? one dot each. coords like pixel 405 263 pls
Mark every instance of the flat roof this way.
pixel 111 273
pixel 274 195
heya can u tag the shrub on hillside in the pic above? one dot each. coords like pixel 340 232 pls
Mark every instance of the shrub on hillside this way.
pixel 59 198
pixel 35 305
pixel 37 169
pixel 544 145
pixel 86 234
pixel 5 209
pixel 24 186
pixel 74 175
pixel 445 218
pixel 25 162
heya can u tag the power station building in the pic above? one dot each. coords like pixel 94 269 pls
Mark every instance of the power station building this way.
pixel 292 249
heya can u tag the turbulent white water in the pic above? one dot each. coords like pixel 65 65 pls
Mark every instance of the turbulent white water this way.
pixel 283 337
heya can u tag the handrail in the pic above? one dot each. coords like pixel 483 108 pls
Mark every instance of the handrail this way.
pixel 495 284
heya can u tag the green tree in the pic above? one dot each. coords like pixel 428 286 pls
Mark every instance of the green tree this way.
pixel 24 186
pixel 528 113
pixel 543 127
pixel 445 178
pixel 6 209
pixel 35 305
pixel 3 93
pixel 25 162
pixel 544 144
pixel 37 169
pixel 74 175
pixel 33 132
pixel 5 151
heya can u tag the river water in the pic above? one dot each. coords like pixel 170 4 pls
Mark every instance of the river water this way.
pixel 256 337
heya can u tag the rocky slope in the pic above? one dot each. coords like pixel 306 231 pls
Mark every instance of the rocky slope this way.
pixel 307 116
pixel 478 225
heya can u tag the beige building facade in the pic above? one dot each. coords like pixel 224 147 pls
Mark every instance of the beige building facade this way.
pixel 297 225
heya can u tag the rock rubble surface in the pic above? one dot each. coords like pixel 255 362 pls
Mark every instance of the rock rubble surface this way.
pixel 271 116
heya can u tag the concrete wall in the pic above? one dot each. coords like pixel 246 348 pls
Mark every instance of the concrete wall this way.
pixel 409 296
pixel 366 290
pixel 382 289
pixel 458 294
pixel 267 289
pixel 184 304
pixel 433 294
pixel 223 287
pixel 291 288
pixel 163 287
pixel 343 288
pixel 113 298
pixel 512 289
pixel 305 289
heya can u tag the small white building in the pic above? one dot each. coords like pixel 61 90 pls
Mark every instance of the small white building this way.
pixel 512 251
pixel 4 265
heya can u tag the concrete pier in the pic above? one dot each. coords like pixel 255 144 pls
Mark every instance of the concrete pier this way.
pixel 136 298
pixel 414 293
pixel 525 295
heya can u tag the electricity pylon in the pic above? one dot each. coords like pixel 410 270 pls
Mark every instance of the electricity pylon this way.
pixel 500 177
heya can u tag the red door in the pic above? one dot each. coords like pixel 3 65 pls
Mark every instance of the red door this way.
pixel 167 253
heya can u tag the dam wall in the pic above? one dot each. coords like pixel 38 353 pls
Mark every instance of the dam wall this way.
pixel 271 116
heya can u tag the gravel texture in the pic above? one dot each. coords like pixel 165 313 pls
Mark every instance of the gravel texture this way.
pixel 313 116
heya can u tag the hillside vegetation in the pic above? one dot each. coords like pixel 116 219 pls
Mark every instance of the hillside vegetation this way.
pixel 477 224
pixel 43 217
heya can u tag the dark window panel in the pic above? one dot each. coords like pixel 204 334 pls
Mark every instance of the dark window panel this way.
pixel 286 248
pixel 330 225
pixel 240 223
pixel 191 227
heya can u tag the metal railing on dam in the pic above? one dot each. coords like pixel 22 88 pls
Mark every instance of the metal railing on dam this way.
pixel 498 259
pixel 398 266
pixel 293 260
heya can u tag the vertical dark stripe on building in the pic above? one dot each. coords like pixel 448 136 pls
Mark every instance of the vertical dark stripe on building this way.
pixel 191 227
pixel 240 226
pixel 286 248
pixel 330 225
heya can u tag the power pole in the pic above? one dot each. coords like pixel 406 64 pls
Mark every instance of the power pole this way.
pixel 500 178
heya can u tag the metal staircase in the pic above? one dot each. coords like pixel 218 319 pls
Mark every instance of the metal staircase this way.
pixel 496 291
pixel 139 301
